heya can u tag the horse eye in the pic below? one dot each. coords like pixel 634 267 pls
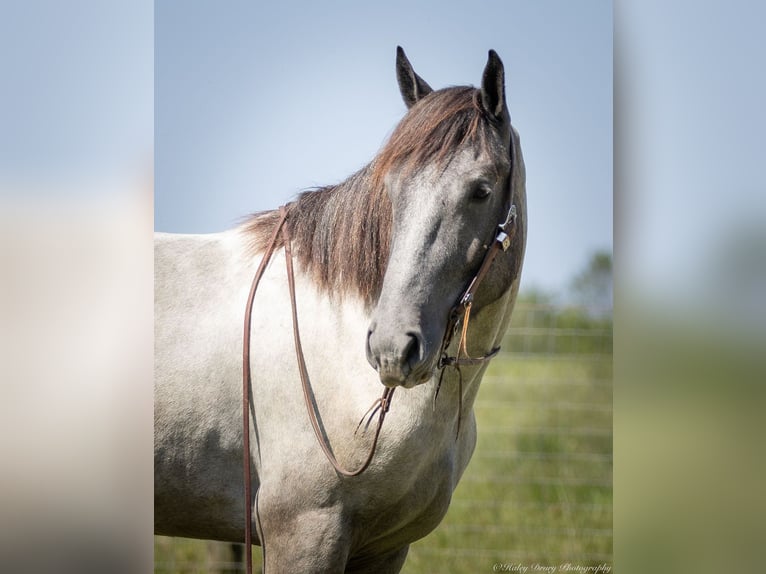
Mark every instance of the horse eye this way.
pixel 481 191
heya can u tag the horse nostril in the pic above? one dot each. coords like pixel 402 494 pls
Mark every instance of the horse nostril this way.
pixel 371 357
pixel 412 351
pixel 395 355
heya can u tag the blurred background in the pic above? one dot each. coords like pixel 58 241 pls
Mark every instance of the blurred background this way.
pixel 81 117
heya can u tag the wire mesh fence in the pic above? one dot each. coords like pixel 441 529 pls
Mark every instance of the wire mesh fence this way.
pixel 538 490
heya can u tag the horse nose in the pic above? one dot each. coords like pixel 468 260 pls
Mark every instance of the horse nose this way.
pixel 394 355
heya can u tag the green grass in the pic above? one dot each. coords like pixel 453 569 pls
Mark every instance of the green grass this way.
pixel 538 489
pixel 188 556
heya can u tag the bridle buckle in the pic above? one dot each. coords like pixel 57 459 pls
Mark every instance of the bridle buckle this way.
pixel 502 236
pixel 504 240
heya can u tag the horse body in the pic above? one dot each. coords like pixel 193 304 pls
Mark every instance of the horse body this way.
pixel 307 517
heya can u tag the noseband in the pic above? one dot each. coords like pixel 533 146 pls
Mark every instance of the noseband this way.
pixel 459 315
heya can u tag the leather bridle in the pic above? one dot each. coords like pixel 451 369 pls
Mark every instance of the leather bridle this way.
pixel 503 238
pixel 459 315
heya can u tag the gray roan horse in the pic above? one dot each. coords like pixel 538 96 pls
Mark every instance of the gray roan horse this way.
pixel 381 260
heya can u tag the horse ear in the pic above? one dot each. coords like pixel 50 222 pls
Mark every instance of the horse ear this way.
pixel 412 86
pixel 493 88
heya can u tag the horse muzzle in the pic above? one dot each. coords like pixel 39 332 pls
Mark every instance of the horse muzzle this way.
pixel 402 357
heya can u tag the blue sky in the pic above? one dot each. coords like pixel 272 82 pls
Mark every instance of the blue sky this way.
pixel 256 102
pixel 76 94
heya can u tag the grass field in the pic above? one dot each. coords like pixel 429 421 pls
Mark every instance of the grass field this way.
pixel 539 487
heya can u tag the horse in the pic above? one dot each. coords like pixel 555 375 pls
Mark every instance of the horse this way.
pixel 381 259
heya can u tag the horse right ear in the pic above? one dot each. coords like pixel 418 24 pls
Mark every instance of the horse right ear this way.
pixel 412 86
pixel 493 88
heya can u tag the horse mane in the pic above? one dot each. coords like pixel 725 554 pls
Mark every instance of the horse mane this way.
pixel 341 234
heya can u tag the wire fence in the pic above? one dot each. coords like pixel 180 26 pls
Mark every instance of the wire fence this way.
pixel 538 490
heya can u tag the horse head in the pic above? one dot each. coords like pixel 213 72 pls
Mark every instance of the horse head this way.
pixel 450 170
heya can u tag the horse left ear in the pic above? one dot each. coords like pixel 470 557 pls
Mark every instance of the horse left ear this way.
pixel 493 88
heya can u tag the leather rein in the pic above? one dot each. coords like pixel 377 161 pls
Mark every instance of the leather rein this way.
pixel 459 314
